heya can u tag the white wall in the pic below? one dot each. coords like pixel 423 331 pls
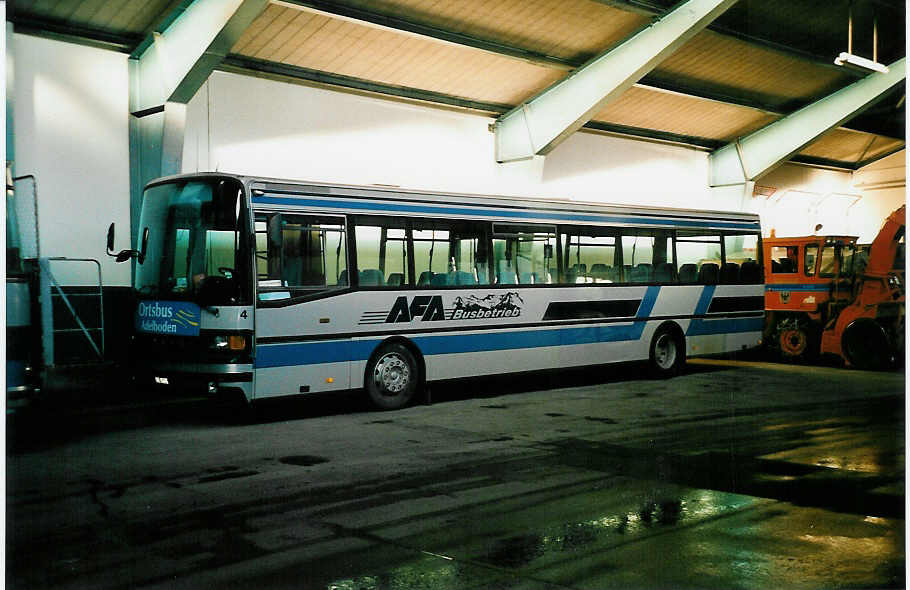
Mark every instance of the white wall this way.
pixel 269 128
pixel 71 132
pixel 804 197
pixel 883 187
pixel 844 203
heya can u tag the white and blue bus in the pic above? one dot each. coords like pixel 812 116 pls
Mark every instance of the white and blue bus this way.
pixel 274 288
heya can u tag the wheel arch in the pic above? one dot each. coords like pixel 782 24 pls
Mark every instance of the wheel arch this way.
pixel 412 348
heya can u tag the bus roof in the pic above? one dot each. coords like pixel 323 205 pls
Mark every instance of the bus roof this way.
pixel 548 208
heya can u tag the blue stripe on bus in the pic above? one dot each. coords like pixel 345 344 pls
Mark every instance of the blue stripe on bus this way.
pixel 647 302
pixel 797 287
pixel 483 212
pixel 704 302
pixel 699 327
pixel 704 327
pixel 310 353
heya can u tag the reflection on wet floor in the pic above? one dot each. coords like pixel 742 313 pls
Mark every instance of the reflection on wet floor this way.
pixel 697 538
pixel 549 545
pixel 826 506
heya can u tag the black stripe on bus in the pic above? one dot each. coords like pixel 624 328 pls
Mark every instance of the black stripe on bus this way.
pixel 581 310
pixel 734 304
pixel 469 328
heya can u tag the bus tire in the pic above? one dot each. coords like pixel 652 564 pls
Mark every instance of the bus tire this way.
pixel 392 376
pixel 667 353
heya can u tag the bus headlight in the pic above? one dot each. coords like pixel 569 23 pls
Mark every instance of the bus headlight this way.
pixel 233 342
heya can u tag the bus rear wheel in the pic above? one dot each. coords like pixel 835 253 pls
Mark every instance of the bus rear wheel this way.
pixel 391 377
pixel 668 353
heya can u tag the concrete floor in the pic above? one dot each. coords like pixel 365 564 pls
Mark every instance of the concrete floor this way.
pixel 734 475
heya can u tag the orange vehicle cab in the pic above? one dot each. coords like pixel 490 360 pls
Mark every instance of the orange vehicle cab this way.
pixel 807 280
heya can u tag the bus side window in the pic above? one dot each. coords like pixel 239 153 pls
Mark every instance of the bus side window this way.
pixel 648 256
pixel 741 259
pixel 382 252
pixel 699 257
pixel 588 255
pixel 297 254
pixel 450 253
pixel 524 254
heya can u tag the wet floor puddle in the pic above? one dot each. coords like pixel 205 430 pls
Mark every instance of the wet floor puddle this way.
pixel 491 555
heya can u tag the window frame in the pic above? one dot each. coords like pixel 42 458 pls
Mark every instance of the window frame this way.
pixel 373 220
pixel 296 293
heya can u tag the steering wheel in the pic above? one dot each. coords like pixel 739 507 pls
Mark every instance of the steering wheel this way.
pixel 226 271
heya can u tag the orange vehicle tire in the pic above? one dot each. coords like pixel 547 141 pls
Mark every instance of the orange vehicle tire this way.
pixel 796 339
pixel 866 345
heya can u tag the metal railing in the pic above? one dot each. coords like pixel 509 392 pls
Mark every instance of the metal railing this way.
pixel 51 289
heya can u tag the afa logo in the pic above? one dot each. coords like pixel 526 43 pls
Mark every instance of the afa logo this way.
pixel 426 307
pixel 429 308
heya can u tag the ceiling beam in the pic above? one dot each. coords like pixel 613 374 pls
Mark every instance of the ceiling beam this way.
pixel 759 152
pixel 165 73
pixel 538 125
pixel 180 58
pixel 655 8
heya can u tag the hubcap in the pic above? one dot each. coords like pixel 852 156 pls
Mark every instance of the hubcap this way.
pixel 665 351
pixel 391 374
pixel 793 341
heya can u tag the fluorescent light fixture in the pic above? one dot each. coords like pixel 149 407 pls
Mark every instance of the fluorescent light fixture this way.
pixel 859 63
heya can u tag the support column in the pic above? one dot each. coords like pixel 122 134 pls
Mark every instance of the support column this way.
pixel 165 73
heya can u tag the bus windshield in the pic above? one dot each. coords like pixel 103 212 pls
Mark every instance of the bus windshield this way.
pixel 195 251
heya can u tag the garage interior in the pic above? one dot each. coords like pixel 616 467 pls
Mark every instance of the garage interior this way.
pixel 739 473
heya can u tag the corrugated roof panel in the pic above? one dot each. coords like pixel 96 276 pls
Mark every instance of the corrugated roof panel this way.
pixel 683 115
pixel 569 29
pixel 314 41
pixel 728 64
pixel 847 145
pixel 118 16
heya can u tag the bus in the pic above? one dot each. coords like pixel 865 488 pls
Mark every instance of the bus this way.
pixel 271 287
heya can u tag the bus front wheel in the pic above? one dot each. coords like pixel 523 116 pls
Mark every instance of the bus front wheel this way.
pixel 391 377
pixel 668 353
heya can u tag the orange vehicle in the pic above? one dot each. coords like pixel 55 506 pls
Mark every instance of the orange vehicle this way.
pixel 819 298
pixel 869 332
pixel 806 280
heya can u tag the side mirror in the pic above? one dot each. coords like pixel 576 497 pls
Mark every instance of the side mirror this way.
pixel 125 255
pixel 143 248
pixel 110 240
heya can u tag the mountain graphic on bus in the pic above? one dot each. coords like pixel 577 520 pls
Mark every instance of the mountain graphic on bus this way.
pixel 491 306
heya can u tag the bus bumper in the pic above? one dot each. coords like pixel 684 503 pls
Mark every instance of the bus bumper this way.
pixel 201 378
